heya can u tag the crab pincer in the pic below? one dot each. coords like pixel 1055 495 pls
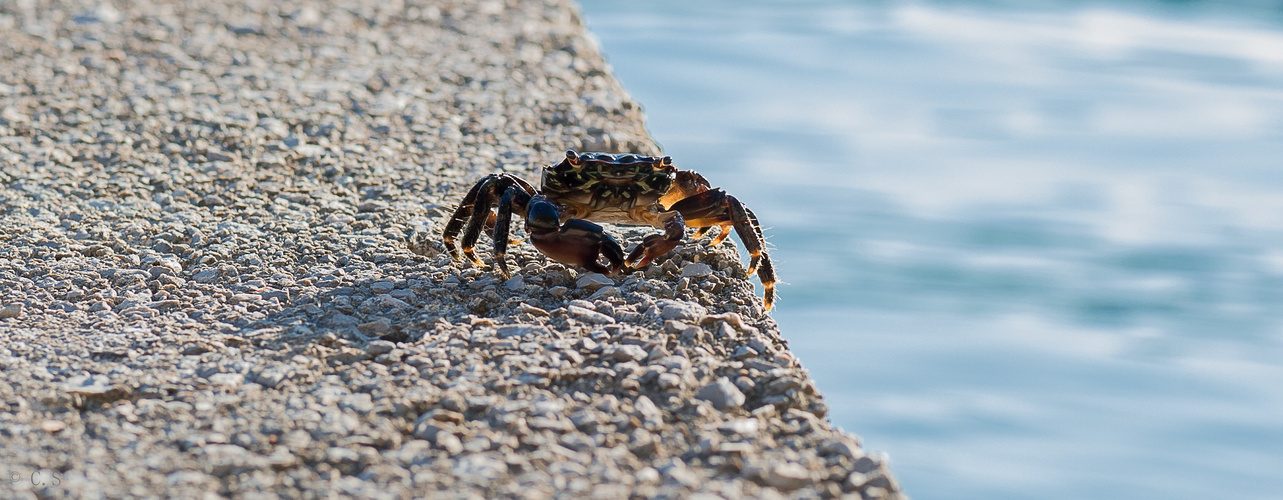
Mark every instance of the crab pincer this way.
pixel 576 242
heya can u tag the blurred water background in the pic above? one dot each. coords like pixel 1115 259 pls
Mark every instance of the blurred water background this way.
pixel 1033 249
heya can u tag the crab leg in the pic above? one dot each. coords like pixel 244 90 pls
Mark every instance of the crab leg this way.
pixel 460 216
pixel 723 232
pixel 480 215
pixel 514 199
pixel 747 229
pixel 750 232
pixel 474 210
pixel 716 208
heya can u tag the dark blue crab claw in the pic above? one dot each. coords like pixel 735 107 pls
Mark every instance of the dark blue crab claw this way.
pixel 577 242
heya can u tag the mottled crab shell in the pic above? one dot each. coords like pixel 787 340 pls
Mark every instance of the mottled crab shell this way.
pixel 608 186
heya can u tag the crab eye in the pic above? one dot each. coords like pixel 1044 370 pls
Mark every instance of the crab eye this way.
pixel 667 160
pixel 572 157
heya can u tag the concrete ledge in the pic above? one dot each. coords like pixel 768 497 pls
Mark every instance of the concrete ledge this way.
pixel 206 288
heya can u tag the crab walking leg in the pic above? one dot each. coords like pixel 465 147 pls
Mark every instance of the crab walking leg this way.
pixel 757 229
pixel 716 208
pixel 750 232
pixel 724 230
pixel 766 273
pixel 460 216
pixel 481 195
pixel 525 186
pixel 706 210
pixel 518 208
pixel 480 215
pixel 515 198
pixel 746 228
pixel 656 245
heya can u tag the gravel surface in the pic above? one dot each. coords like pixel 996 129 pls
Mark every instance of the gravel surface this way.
pixel 206 287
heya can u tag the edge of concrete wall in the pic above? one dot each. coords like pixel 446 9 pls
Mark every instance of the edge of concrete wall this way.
pixel 206 287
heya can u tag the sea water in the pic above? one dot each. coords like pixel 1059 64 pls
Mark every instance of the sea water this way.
pixel 1030 249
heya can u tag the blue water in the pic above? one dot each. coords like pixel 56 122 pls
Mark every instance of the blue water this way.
pixel 1033 250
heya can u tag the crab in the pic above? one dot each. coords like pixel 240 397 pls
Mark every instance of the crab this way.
pixel 625 189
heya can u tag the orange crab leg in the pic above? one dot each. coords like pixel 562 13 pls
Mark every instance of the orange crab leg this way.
pixel 716 208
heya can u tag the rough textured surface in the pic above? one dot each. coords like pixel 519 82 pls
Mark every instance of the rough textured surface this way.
pixel 206 287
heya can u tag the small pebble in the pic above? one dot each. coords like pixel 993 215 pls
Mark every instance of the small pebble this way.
pixel 696 270
pixel 232 380
pixel 742 426
pixel 377 347
pixel 722 394
pixel 647 475
pixel 681 310
pixel 589 316
pixel 668 381
pixel 520 331
pixel 11 311
pixel 603 292
pixel 88 385
pixel 593 281
pixel 381 325
pixel 532 310
pixel 842 447
pixel 788 476
pixel 628 353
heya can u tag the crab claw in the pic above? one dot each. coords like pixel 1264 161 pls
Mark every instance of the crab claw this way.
pixel 577 242
pixel 657 245
pixel 650 248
